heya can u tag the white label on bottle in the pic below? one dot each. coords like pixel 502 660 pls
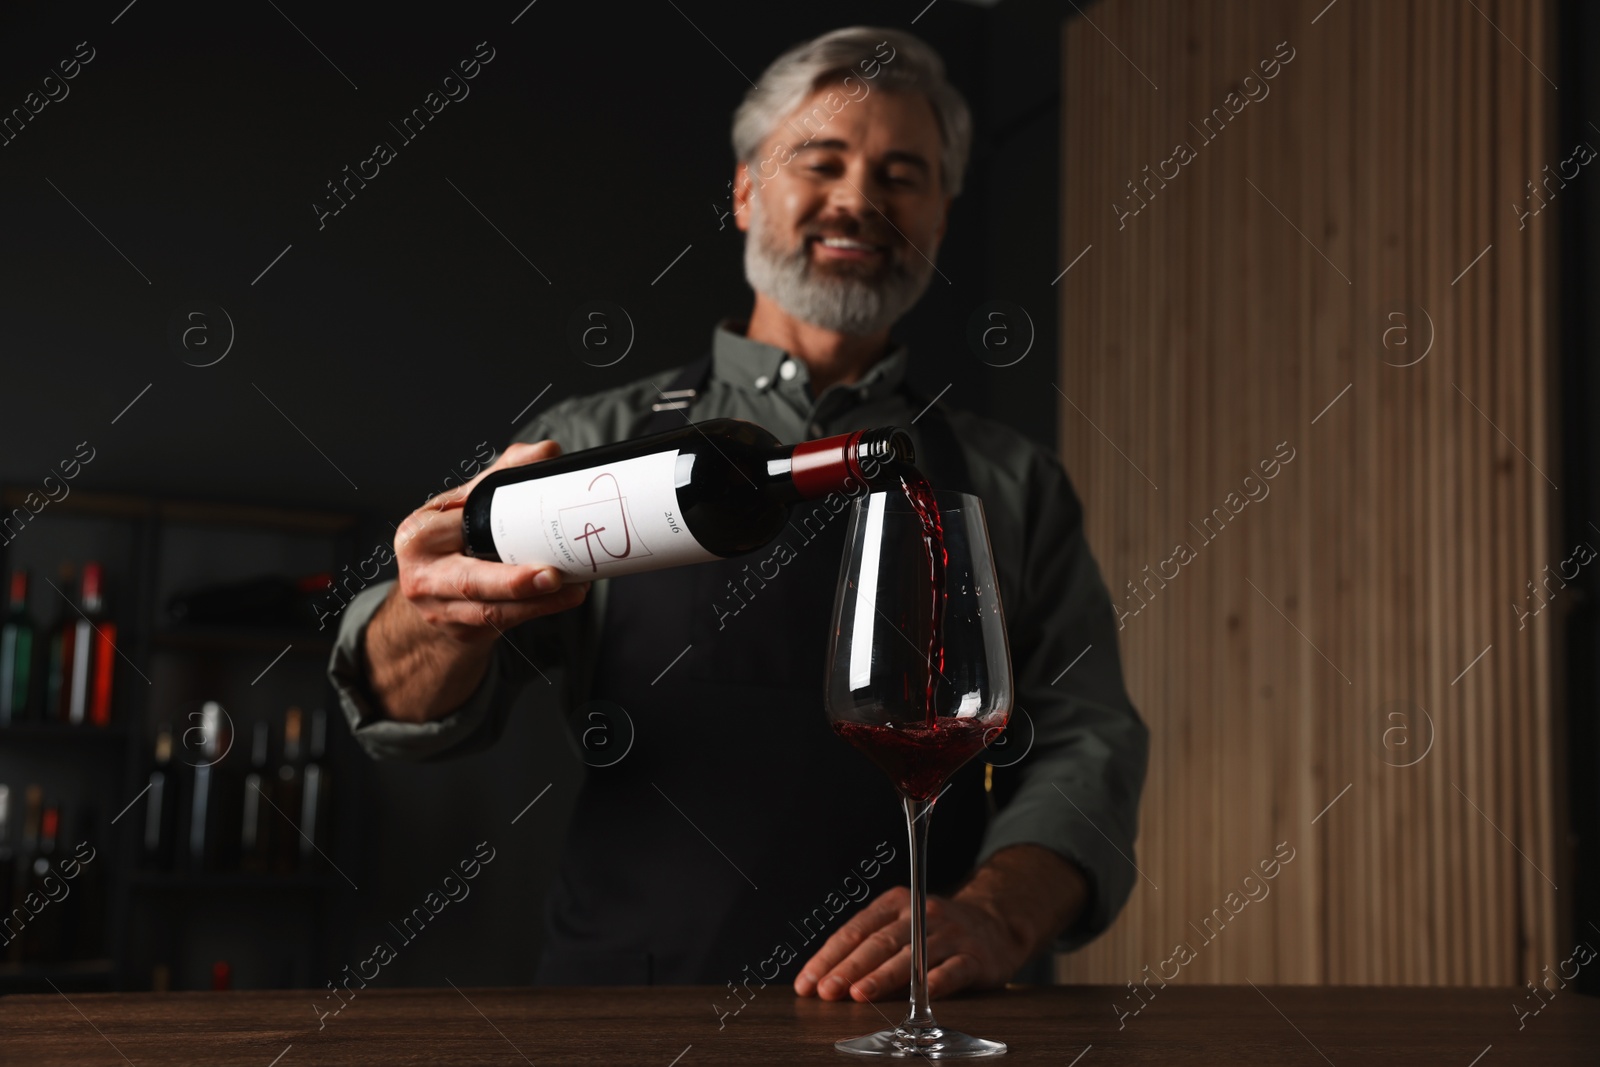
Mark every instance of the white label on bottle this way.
pixel 614 519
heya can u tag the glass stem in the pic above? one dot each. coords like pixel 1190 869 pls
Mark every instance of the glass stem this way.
pixel 918 813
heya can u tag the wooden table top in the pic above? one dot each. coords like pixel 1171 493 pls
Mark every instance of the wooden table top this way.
pixel 677 1026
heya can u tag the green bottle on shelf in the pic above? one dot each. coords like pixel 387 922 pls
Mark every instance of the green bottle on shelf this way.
pixel 16 652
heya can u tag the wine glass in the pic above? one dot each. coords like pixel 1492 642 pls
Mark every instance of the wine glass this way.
pixel 919 679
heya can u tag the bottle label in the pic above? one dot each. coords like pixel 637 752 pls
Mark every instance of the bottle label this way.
pixel 600 522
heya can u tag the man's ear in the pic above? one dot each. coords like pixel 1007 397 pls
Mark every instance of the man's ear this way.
pixel 743 190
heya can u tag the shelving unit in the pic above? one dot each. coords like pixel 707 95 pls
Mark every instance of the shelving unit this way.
pixel 181 919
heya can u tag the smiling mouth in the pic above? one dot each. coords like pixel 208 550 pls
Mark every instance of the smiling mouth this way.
pixel 836 247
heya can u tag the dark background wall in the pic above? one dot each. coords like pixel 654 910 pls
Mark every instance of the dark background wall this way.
pixel 374 355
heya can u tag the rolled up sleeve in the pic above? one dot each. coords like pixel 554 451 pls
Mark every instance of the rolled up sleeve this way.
pixel 1076 791
pixel 532 651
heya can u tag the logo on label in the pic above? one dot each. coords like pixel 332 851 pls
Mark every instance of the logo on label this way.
pixel 584 524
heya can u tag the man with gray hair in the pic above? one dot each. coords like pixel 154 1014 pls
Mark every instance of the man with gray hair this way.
pixel 733 841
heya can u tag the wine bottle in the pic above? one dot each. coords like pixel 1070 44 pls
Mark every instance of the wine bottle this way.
pixel 82 655
pixel 270 600
pixel 14 925
pixel 255 837
pixel 16 652
pixel 41 938
pixel 314 802
pixel 8 864
pixel 707 491
pixel 63 635
pixel 289 794
pixel 93 654
pixel 213 815
pixel 161 809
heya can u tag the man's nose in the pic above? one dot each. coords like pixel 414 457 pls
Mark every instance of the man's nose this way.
pixel 848 196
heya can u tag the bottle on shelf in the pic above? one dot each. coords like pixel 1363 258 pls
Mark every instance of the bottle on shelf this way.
pixel 707 491
pixel 16 653
pixel 8 864
pixel 272 600
pixel 214 815
pixel 63 638
pixel 159 849
pixel 288 795
pixel 83 656
pixel 255 838
pixel 14 931
pixel 314 805
pixel 221 976
pixel 94 654
pixel 41 937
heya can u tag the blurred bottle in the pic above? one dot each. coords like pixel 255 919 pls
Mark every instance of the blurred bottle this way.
pixel 255 839
pixel 83 654
pixel 270 600
pixel 41 938
pixel 290 791
pixel 16 653
pixel 97 642
pixel 32 813
pixel 63 636
pixel 8 864
pixel 214 814
pixel 160 849
pixel 314 818
pixel 221 976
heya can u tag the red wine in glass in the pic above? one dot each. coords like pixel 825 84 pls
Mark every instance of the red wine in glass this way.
pixel 921 497
pixel 919 758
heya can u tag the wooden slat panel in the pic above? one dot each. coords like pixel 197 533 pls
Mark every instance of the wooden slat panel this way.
pixel 1226 312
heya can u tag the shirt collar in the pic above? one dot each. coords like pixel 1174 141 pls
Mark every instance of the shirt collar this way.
pixel 757 366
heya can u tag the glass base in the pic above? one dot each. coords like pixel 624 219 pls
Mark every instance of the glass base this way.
pixel 929 1042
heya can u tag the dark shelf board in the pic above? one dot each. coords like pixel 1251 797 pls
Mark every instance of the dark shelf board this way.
pixel 281 520
pixel 80 504
pixel 38 972
pixel 242 639
pixel 236 881
pixel 51 731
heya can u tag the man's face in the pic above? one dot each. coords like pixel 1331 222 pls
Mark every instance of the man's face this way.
pixel 846 208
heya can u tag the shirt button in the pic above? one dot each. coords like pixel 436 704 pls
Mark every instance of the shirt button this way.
pixel 763 381
pixel 787 371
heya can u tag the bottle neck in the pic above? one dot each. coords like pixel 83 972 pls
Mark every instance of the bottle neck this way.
pixel 93 596
pixel 844 463
pixel 291 737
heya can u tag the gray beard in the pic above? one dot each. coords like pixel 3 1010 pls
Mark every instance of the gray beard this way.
pixel 844 304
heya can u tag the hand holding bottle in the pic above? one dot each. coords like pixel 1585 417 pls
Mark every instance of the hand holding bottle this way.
pixel 474 600
pixel 429 644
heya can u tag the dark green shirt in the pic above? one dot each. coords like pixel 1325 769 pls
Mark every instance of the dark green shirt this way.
pixel 1077 790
